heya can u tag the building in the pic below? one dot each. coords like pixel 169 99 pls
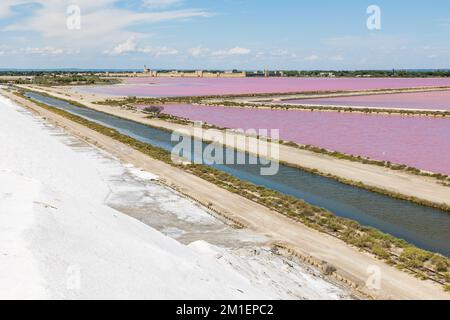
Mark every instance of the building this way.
pixel 327 74
pixel 192 74
pixel 147 72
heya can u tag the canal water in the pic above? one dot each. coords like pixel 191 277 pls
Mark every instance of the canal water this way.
pixel 425 227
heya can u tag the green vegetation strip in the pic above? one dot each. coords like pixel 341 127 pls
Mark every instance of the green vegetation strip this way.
pixel 61 79
pixel 423 264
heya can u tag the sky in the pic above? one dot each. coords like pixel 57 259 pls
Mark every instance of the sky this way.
pixel 225 34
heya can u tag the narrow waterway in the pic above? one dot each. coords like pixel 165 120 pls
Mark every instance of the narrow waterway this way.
pixel 425 227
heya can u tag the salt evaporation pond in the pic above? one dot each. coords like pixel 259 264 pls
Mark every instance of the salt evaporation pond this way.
pixel 178 86
pixel 434 100
pixel 420 142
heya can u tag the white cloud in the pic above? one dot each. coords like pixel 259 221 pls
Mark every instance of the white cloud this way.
pixel 260 54
pixel 5 10
pixel 6 6
pixel 43 51
pixel 102 23
pixel 337 58
pixel 160 3
pixel 280 53
pixel 385 43
pixel 159 51
pixel 48 51
pixel 198 51
pixel 130 46
pixel 283 53
pixel 312 58
pixel 236 51
pixel 239 51
pixel 125 47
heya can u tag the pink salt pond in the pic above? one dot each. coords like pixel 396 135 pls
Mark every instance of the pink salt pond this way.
pixel 434 100
pixel 421 142
pixel 169 87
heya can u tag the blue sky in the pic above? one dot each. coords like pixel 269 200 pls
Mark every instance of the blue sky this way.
pixel 224 34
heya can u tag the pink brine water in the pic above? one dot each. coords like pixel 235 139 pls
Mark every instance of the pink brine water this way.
pixel 421 142
pixel 168 87
pixel 435 100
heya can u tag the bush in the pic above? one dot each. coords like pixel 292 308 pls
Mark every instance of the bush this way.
pixel 415 255
pixel 153 110
pixel 380 251
pixel 440 263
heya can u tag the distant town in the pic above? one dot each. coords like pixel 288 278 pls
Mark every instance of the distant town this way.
pixel 147 72
pixel 90 77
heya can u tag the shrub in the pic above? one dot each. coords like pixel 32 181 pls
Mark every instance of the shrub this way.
pixel 380 251
pixel 440 263
pixel 153 110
